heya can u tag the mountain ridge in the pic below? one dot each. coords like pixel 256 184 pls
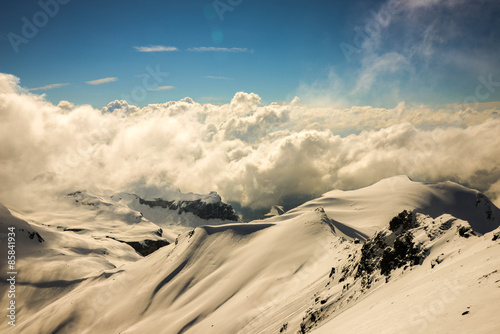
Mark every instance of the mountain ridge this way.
pixel 308 270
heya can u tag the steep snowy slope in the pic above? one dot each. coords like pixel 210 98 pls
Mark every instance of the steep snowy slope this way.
pixel 342 263
pixel 455 288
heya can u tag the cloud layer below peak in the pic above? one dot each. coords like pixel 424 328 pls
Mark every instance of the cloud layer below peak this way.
pixel 252 153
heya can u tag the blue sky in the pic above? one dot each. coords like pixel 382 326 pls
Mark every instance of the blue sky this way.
pixel 420 51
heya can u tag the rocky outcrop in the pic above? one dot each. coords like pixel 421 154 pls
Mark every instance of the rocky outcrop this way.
pixel 390 249
pixel 144 247
pixel 202 209
pixel 32 235
pixel 485 204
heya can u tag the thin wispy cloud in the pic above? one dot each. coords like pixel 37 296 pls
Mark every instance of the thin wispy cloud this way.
pixel 217 77
pixel 101 81
pixel 215 49
pixel 162 88
pixel 52 86
pixel 155 48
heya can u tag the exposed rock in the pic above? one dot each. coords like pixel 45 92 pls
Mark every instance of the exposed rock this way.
pixel 406 219
pixel 319 209
pixel 76 230
pixel 483 202
pixel 144 247
pixel 31 235
pixel 204 210
pixel 465 231
pixel 390 250
pixel 310 320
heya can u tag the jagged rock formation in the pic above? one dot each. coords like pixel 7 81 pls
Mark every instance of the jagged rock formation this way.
pixel 390 249
pixel 205 210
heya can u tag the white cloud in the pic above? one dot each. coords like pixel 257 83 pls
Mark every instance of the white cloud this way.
pixel 47 87
pixel 101 81
pixel 120 106
pixel 410 50
pixel 252 153
pixel 376 66
pixel 162 88
pixel 65 105
pixel 216 49
pixel 155 48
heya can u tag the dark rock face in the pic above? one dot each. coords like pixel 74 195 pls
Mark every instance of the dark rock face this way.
pixel 380 253
pixel 32 235
pixel 485 203
pixel 465 231
pixel 404 252
pixel 392 247
pixel 76 230
pixel 146 247
pixel 405 219
pixel 204 210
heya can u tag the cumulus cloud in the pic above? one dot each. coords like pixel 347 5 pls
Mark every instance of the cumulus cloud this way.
pixel 119 106
pixel 101 81
pixel 65 105
pixel 252 153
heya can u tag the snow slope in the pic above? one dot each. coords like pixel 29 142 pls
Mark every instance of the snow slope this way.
pixel 362 212
pixel 298 272
pixel 455 289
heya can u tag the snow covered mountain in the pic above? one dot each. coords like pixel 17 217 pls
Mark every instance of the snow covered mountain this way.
pixel 185 209
pixel 396 257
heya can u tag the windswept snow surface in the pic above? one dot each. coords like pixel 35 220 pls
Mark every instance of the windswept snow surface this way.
pixel 362 212
pixel 297 272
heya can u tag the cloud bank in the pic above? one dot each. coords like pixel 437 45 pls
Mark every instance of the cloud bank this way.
pixel 249 152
